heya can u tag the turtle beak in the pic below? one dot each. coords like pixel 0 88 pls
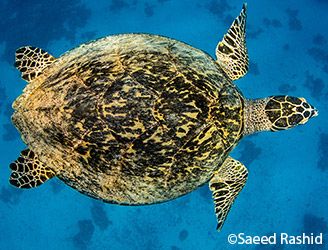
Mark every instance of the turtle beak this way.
pixel 314 112
pixel 309 111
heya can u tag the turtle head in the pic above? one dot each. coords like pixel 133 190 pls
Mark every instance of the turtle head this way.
pixel 285 112
pixel 276 113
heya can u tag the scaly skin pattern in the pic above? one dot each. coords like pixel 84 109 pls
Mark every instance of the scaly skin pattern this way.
pixel 132 119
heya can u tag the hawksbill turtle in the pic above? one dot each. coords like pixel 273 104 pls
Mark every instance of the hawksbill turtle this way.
pixel 138 119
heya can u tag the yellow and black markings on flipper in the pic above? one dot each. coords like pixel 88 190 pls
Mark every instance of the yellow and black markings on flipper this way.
pixel 31 61
pixel 231 52
pixel 28 171
pixel 226 184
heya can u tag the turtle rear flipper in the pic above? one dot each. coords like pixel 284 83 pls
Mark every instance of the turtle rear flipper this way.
pixel 31 61
pixel 28 171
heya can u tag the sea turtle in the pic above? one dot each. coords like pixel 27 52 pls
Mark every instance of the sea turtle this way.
pixel 139 119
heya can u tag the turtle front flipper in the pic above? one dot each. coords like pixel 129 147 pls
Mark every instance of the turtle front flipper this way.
pixel 231 52
pixel 31 61
pixel 28 171
pixel 226 184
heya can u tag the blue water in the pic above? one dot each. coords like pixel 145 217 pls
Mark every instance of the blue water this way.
pixel 287 185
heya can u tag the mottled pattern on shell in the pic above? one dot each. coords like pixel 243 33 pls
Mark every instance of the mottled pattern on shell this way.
pixel 132 119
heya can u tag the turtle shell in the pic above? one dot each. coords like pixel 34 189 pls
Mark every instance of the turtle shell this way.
pixel 132 119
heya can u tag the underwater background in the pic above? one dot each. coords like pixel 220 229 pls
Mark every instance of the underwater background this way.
pixel 287 185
